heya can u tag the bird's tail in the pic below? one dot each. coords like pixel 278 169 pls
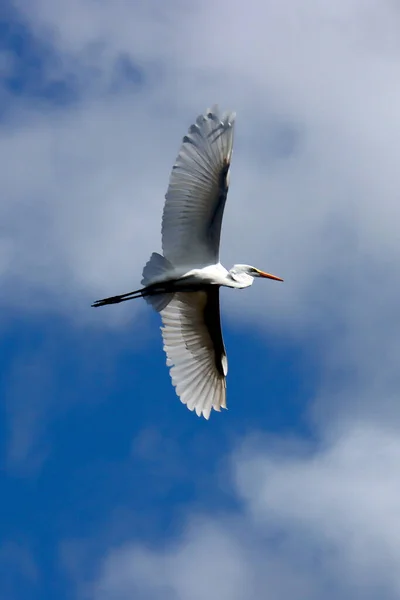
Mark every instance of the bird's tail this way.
pixel 154 290
pixel 156 269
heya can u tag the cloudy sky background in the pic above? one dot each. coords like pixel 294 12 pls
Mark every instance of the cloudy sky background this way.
pixel 111 489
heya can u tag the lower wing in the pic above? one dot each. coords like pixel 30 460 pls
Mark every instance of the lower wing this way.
pixel 195 350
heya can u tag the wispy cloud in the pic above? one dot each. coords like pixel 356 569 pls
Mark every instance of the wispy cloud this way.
pixel 314 523
pixel 99 169
pixel 28 392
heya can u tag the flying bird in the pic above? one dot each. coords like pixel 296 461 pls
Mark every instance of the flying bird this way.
pixel 183 283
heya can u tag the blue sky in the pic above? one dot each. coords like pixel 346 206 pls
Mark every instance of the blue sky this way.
pixel 93 434
pixel 111 488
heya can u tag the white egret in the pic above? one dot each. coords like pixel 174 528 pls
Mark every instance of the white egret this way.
pixel 183 284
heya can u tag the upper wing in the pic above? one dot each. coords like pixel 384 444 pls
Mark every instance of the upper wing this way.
pixel 195 349
pixel 198 186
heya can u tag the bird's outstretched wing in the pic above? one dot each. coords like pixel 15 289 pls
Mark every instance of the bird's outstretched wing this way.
pixel 196 196
pixel 195 349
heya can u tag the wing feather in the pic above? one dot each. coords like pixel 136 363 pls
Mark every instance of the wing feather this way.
pixel 198 187
pixel 195 349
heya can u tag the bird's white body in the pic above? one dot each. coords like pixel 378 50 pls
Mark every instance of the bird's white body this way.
pixel 183 283
pixel 209 275
pixel 212 274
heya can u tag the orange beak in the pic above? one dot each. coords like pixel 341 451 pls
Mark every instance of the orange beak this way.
pixel 269 276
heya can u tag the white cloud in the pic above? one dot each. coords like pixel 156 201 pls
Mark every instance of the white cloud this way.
pixel 69 218
pixel 314 523
pixel 97 172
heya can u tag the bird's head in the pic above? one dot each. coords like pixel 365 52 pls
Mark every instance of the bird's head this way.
pixel 246 274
